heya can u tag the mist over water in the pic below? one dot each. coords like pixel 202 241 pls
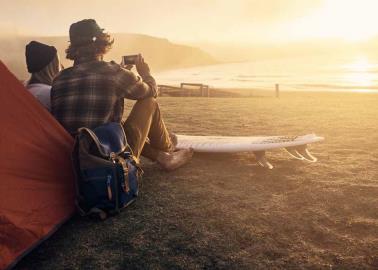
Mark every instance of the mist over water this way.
pixel 344 74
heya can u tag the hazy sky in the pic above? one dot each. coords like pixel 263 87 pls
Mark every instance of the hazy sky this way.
pixel 223 21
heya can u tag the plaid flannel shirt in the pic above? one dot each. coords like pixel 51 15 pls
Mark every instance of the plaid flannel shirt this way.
pixel 92 93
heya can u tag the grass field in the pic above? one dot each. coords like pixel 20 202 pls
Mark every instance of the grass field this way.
pixel 225 212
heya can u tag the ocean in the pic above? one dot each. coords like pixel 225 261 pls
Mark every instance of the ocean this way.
pixel 326 73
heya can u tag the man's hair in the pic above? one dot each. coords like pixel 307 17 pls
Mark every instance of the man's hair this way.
pixel 99 46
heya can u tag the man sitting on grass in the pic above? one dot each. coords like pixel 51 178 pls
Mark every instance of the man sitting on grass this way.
pixel 92 93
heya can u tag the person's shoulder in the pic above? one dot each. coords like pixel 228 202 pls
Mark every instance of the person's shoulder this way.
pixel 64 72
pixel 112 65
pixel 118 70
pixel 45 87
pixel 38 86
pixel 62 77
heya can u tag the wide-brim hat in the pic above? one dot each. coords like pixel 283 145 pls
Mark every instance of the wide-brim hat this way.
pixel 84 32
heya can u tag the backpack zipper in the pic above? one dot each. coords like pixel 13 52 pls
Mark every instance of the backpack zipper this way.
pixel 110 195
pixel 113 159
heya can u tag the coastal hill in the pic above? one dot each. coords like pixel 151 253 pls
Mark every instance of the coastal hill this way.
pixel 160 53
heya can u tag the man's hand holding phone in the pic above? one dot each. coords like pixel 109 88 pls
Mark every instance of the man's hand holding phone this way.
pixel 142 67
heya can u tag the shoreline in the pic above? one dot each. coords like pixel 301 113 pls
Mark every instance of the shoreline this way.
pixel 255 92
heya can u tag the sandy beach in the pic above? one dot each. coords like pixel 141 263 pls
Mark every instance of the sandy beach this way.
pixel 225 212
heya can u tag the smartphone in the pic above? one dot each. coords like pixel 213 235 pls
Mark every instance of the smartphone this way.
pixel 129 59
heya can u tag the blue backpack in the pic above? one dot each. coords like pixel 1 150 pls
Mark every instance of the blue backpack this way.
pixel 107 174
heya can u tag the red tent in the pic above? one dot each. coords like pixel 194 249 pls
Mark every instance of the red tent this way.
pixel 36 180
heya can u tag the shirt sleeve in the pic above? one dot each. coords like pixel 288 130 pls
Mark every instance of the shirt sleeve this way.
pixel 131 86
pixel 42 93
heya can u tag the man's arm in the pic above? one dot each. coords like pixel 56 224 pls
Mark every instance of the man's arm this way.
pixel 135 87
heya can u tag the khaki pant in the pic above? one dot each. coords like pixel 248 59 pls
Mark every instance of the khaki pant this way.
pixel 145 130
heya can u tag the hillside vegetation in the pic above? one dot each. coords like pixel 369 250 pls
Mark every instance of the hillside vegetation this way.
pixel 160 53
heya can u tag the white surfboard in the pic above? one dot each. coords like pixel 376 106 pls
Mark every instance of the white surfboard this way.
pixel 296 146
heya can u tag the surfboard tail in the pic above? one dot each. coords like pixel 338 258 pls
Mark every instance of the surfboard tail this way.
pixel 301 152
pixel 293 153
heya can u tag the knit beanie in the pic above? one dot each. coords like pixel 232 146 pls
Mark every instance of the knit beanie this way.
pixel 38 55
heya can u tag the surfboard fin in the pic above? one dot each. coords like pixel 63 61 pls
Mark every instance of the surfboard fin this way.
pixel 303 151
pixel 262 161
pixel 294 153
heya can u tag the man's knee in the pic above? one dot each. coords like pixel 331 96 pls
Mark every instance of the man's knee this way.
pixel 147 103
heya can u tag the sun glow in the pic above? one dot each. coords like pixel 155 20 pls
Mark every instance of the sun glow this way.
pixel 360 65
pixel 352 21
pixel 360 75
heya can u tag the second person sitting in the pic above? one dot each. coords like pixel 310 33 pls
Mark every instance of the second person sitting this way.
pixel 43 63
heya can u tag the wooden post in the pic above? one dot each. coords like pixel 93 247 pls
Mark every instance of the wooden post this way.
pixel 189 91
pixel 183 90
pixel 277 90
pixel 205 91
